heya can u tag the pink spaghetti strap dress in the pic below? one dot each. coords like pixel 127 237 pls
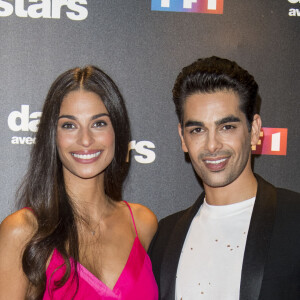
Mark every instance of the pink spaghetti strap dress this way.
pixel 136 281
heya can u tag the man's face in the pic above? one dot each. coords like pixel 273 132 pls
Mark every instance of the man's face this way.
pixel 216 136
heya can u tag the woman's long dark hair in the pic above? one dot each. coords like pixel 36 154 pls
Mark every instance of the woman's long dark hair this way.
pixel 43 188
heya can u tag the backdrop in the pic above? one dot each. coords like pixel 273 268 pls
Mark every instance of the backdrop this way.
pixel 143 45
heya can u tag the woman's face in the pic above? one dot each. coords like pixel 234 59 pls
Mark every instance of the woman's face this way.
pixel 85 136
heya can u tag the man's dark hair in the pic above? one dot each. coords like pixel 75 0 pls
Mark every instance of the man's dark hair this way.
pixel 214 74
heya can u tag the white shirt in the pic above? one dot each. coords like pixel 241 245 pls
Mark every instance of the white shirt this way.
pixel 210 264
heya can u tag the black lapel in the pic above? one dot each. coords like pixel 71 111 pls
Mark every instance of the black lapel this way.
pixel 258 240
pixel 173 251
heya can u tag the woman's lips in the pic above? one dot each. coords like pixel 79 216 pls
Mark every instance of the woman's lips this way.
pixel 86 157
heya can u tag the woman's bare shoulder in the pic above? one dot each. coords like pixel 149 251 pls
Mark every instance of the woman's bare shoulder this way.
pixel 146 223
pixel 18 227
pixel 15 232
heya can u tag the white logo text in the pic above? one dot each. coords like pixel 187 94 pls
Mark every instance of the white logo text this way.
pixel 48 9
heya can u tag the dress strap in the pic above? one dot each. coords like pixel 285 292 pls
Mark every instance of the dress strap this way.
pixel 131 216
pixel 29 209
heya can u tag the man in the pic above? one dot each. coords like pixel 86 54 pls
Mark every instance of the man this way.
pixel 241 238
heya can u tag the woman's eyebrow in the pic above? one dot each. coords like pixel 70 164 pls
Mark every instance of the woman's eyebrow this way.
pixel 99 115
pixel 67 117
pixel 71 117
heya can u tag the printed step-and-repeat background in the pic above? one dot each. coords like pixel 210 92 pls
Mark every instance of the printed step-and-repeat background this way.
pixel 143 45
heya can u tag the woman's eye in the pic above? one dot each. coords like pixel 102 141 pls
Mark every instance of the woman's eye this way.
pixel 99 124
pixel 68 126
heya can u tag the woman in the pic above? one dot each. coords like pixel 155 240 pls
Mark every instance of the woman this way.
pixel 75 238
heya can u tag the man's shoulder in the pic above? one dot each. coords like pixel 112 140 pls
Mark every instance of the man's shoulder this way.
pixel 289 194
pixel 173 217
pixel 188 213
pixel 282 193
pixel 184 216
pixel 166 228
pixel 289 202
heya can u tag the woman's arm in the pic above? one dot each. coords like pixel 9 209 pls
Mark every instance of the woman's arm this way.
pixel 15 231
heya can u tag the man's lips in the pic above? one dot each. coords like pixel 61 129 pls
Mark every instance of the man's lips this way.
pixel 216 164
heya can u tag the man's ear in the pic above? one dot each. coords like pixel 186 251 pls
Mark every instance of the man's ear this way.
pixel 255 129
pixel 180 131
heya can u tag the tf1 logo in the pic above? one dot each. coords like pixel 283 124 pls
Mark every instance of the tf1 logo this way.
pixel 194 6
pixel 273 141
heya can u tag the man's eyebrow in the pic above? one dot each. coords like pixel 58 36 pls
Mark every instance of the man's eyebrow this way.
pixel 92 118
pixel 193 123
pixel 229 119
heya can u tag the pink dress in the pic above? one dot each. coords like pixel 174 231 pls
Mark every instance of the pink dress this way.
pixel 136 281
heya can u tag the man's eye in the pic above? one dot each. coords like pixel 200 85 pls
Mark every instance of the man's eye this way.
pixel 99 124
pixel 68 126
pixel 196 130
pixel 228 127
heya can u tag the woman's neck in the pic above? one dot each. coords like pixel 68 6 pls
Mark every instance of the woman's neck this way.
pixel 88 196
